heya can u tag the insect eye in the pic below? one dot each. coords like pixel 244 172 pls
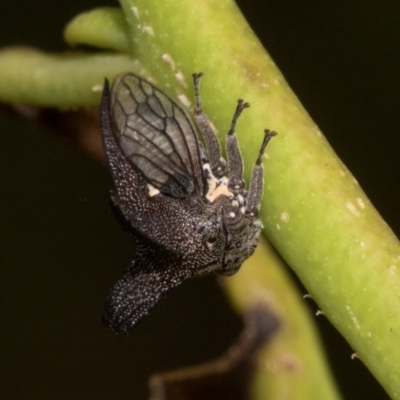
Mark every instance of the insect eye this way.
pixel 233 218
pixel 211 240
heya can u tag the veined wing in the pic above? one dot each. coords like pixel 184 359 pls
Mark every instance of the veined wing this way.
pixel 156 136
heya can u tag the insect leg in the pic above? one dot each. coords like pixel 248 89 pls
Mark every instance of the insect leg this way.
pixel 257 179
pixel 236 184
pixel 217 163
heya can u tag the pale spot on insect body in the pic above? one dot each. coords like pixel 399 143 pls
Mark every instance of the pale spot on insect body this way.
pixel 218 191
pixel 152 190
pixel 392 270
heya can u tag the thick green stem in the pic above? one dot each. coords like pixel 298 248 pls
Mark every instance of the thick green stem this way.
pixel 314 211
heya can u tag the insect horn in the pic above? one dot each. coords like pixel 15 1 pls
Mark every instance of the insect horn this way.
pixel 217 162
pixel 236 184
pixel 257 178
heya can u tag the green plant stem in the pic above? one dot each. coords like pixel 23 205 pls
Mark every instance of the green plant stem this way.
pixel 314 211
pixel 62 81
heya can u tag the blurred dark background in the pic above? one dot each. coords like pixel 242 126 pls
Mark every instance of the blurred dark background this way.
pixel 61 249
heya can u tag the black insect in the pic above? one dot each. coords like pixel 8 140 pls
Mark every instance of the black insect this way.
pixel 186 218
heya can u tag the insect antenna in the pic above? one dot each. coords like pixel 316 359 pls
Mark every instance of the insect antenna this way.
pixel 257 178
pixel 217 163
pixel 236 184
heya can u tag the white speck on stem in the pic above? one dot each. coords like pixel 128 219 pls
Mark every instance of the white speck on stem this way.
pixel 97 88
pixel 360 202
pixel 319 312
pixel 354 355
pixel 307 296
pixel 180 78
pixel 184 100
pixel 169 60
pixel 353 317
pixel 352 208
pixel 135 11
pixel 148 29
pixel 392 270
pixel 285 217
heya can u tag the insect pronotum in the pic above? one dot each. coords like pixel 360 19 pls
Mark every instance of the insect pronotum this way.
pixel 186 217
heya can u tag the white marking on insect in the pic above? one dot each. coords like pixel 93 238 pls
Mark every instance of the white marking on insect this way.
pixel 360 203
pixel 221 189
pixel 97 88
pixel 180 78
pixel 152 190
pixel 368 334
pixel 169 60
pixel 352 208
pixel 148 29
pixel 342 173
pixel 184 100
pixel 319 312
pixel 216 187
pixel 392 270
pixel 354 355
pixel 285 217
pixel 135 11
pixel 264 85
pixel 278 227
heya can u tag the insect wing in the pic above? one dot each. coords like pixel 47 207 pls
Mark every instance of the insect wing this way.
pixel 156 136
